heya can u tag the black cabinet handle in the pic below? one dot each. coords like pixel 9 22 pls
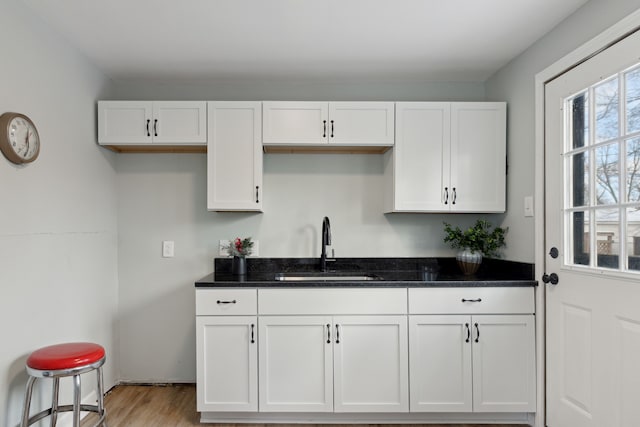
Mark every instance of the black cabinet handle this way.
pixel 472 300
pixel 466 325
pixel 331 128
pixel 257 198
pixel 446 195
pixel 477 332
pixel 252 335
pixel 226 302
pixel 324 128
pixel 328 333
pixel 455 196
pixel 148 121
pixel 155 127
pixel 337 334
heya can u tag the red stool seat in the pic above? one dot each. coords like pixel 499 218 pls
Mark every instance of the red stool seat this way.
pixel 65 356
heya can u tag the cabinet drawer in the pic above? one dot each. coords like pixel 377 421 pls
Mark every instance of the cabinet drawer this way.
pixel 332 301
pixel 212 302
pixel 471 300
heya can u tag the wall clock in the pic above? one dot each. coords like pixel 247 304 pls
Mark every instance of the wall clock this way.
pixel 19 139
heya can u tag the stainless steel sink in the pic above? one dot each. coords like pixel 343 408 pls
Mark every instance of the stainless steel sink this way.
pixel 325 277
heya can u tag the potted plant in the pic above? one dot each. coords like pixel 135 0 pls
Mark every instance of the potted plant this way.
pixel 239 248
pixel 474 243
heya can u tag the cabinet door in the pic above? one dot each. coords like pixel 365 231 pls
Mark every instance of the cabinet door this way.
pixel 294 123
pixel 503 363
pixel 227 364
pixel 295 364
pixel 478 156
pixel 179 122
pixel 420 159
pixel 361 123
pixel 124 122
pixel 440 363
pixel 370 364
pixel 234 157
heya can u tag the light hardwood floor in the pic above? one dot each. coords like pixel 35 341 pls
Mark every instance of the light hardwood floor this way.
pixel 174 406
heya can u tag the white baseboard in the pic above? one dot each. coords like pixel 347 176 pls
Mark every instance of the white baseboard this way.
pixel 363 418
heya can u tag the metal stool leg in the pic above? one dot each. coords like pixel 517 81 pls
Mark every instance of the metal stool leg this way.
pixel 27 402
pixel 54 401
pixel 76 401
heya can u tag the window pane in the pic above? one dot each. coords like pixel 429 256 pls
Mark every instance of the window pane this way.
pixel 580 232
pixel 607 110
pixel 607 174
pixel 607 237
pixel 632 179
pixel 580 169
pixel 633 238
pixel 579 108
pixel 632 80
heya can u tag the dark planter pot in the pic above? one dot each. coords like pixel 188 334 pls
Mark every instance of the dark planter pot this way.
pixel 239 266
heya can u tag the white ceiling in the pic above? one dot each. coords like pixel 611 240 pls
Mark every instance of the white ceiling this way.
pixel 425 40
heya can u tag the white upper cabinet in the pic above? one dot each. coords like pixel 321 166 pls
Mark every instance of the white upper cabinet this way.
pixel 478 157
pixel 448 157
pixel 234 157
pixel 152 122
pixel 324 123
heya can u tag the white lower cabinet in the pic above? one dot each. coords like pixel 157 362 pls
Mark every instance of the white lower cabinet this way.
pixel 227 359
pixel 333 351
pixel 472 362
pixel 333 363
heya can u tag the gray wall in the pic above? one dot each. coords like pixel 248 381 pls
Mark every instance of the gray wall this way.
pixel 514 84
pixel 58 231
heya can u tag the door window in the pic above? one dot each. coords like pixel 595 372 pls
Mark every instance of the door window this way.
pixel 602 169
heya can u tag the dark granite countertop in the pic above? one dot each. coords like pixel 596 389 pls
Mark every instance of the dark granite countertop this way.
pixel 389 272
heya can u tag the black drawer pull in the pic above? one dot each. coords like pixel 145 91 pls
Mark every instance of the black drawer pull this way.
pixel 328 333
pixel 226 302
pixel 468 332
pixel 252 336
pixel 337 334
pixel 472 300
pixel 477 333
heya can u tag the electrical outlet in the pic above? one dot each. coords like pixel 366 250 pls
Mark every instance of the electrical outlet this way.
pixel 167 249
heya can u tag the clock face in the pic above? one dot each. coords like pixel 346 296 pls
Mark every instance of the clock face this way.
pixel 23 137
pixel 19 139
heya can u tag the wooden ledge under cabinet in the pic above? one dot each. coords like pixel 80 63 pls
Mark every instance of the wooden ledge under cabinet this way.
pixel 328 149
pixel 157 148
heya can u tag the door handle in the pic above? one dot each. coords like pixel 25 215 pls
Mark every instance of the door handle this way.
pixel 148 121
pixel 446 195
pixel 550 278
pixel 328 333
pixel 252 334
pixel 324 128
pixel 155 127
pixel 466 325
pixel 337 334
pixel 477 332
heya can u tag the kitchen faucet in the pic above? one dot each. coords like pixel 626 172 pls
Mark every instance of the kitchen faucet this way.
pixel 326 240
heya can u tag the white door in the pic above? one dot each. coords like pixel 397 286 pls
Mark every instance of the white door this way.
pixel 125 122
pixel 295 123
pixel 361 123
pixel 234 157
pixel 179 122
pixel 371 364
pixel 440 363
pixel 227 359
pixel 503 363
pixel 295 364
pixel 592 203
pixel 478 157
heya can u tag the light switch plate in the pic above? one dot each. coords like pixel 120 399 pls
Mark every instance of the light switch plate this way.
pixel 528 206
